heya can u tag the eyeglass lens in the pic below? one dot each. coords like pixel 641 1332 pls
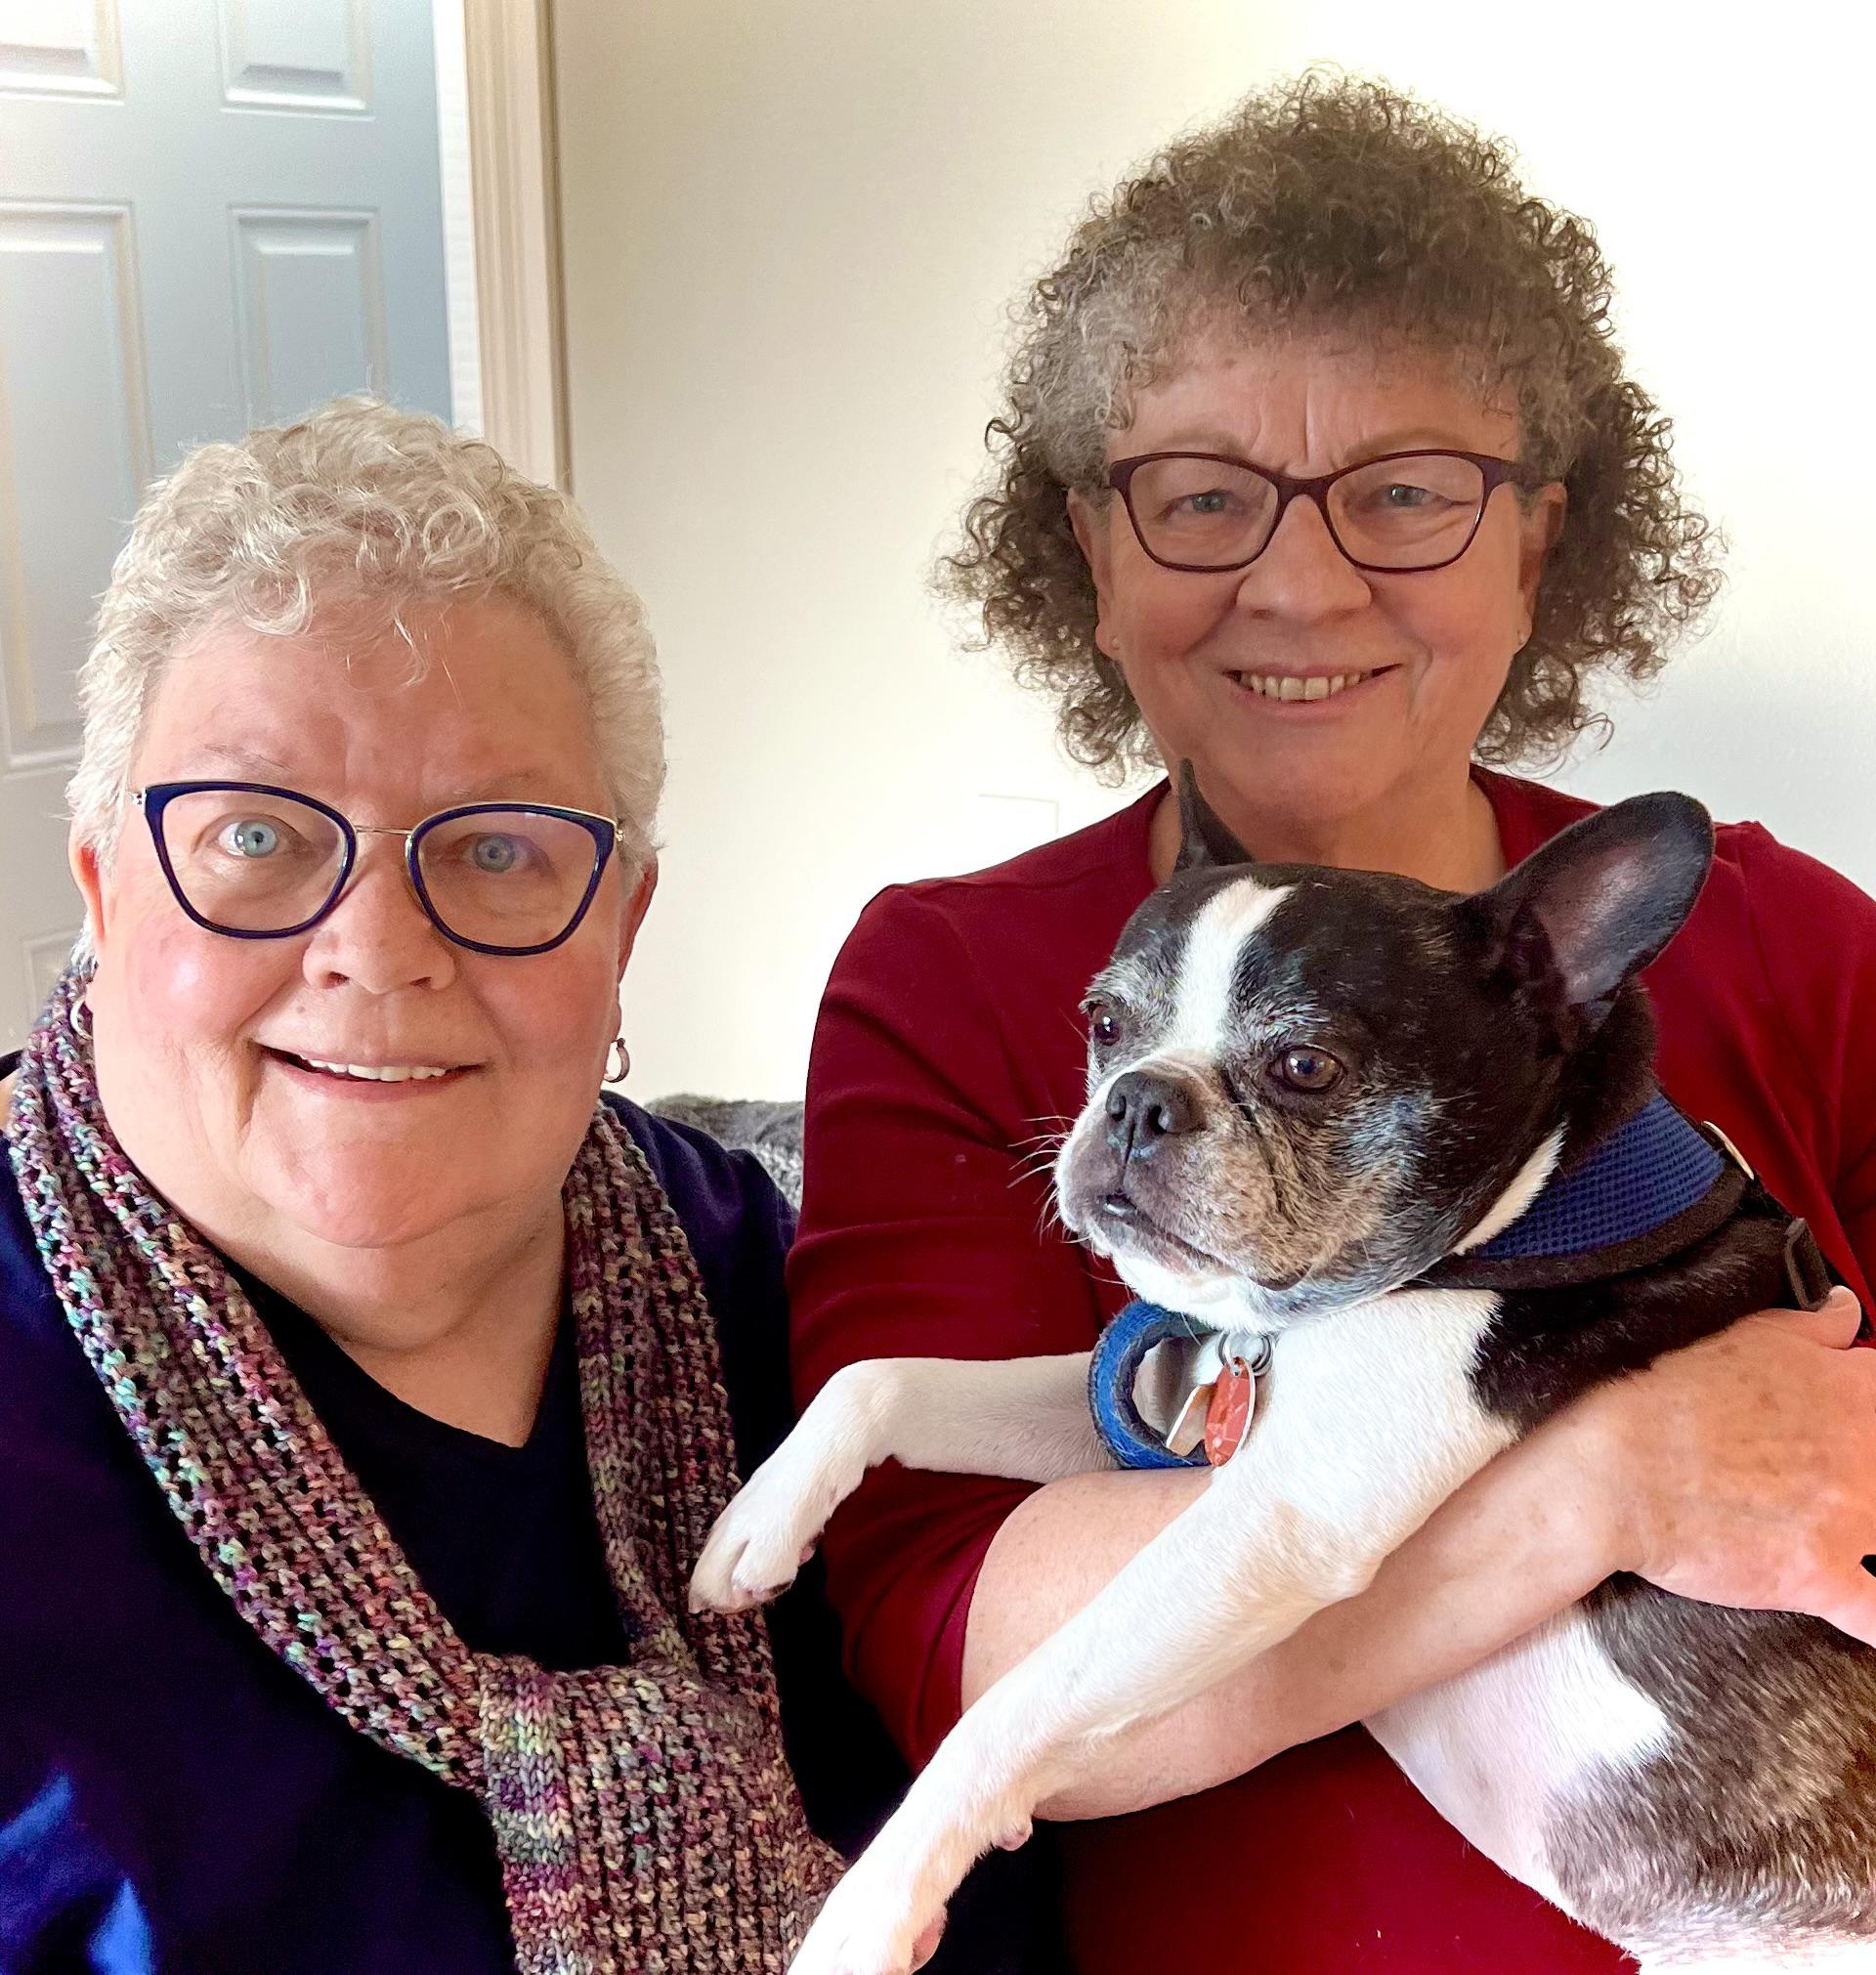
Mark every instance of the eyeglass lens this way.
pixel 1408 513
pixel 503 878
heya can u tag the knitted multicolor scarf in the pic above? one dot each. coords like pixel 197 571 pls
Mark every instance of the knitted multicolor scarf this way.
pixel 646 1821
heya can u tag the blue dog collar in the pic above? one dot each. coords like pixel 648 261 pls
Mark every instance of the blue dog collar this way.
pixel 1111 1372
pixel 1115 1367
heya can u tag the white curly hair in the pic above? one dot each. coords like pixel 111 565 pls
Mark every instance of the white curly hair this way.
pixel 364 506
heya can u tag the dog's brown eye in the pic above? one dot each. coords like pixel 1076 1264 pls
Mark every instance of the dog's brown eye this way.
pixel 1103 1025
pixel 1307 1069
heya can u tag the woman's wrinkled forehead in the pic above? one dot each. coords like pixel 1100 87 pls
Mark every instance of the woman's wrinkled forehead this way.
pixel 450 702
pixel 1320 394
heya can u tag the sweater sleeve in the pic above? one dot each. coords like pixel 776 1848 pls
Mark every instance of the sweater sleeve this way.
pixel 1817 935
pixel 918 1237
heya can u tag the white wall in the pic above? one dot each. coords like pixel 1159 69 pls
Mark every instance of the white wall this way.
pixel 792 233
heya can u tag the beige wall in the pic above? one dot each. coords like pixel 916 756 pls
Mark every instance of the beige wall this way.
pixel 791 231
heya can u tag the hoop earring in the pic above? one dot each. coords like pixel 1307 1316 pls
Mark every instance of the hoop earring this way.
pixel 618 1064
pixel 78 1019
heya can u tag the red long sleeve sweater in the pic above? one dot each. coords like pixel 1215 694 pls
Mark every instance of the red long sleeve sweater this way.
pixel 949 1050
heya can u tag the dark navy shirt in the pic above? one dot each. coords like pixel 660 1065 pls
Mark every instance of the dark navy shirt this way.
pixel 173 1798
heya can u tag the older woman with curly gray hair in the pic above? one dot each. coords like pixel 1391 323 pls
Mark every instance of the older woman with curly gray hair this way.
pixel 362 1369
pixel 1319 468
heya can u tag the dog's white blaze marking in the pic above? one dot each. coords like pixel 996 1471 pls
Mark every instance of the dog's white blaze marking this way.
pixel 1525 1186
pixel 1493 1748
pixel 1202 1015
pixel 1191 1042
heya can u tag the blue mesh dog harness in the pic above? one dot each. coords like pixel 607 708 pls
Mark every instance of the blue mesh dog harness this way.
pixel 1640 1177
pixel 1649 1189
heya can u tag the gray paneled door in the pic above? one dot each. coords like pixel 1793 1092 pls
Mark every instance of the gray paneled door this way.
pixel 213 214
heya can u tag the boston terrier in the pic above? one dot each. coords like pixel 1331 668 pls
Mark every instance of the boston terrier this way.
pixel 1405 1149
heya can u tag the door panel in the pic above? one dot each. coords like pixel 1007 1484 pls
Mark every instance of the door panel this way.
pixel 67 484
pixel 62 47
pixel 296 53
pixel 310 299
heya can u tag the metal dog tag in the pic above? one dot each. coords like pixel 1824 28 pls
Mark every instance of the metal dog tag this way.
pixel 1188 1430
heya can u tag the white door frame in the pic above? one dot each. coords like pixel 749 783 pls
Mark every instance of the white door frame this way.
pixel 515 201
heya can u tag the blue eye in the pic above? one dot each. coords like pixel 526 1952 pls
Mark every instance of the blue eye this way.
pixel 253 837
pixel 495 854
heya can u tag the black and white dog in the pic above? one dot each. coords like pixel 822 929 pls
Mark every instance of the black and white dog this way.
pixel 1380 1127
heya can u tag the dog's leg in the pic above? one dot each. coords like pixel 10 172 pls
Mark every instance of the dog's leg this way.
pixel 1025 1419
pixel 1371 1425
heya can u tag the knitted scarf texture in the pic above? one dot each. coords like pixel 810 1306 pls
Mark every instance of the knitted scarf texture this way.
pixel 644 1815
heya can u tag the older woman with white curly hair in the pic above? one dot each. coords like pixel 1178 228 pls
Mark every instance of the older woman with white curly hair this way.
pixel 361 1390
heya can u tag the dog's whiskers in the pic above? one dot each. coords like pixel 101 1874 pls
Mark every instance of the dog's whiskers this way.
pixel 1033 1164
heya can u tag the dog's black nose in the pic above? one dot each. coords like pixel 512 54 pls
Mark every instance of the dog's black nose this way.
pixel 1144 1109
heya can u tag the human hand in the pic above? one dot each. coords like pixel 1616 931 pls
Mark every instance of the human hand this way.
pixel 1742 1469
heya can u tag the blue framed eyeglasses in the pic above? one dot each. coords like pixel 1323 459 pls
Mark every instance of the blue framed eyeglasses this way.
pixel 255 862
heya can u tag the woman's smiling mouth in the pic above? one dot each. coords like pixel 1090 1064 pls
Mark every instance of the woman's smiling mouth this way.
pixel 1292 688
pixel 368 1076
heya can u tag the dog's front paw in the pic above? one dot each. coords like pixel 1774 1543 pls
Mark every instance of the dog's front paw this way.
pixel 872 1924
pixel 769 1531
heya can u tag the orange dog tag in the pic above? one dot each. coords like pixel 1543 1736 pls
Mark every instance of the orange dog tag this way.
pixel 1227 1419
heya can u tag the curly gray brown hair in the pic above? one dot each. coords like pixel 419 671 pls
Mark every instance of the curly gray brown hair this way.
pixel 1331 203
pixel 381 512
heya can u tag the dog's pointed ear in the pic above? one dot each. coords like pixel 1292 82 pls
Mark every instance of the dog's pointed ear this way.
pixel 1591 909
pixel 1205 844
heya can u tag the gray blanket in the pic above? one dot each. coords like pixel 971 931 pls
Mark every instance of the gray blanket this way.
pixel 770 1129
